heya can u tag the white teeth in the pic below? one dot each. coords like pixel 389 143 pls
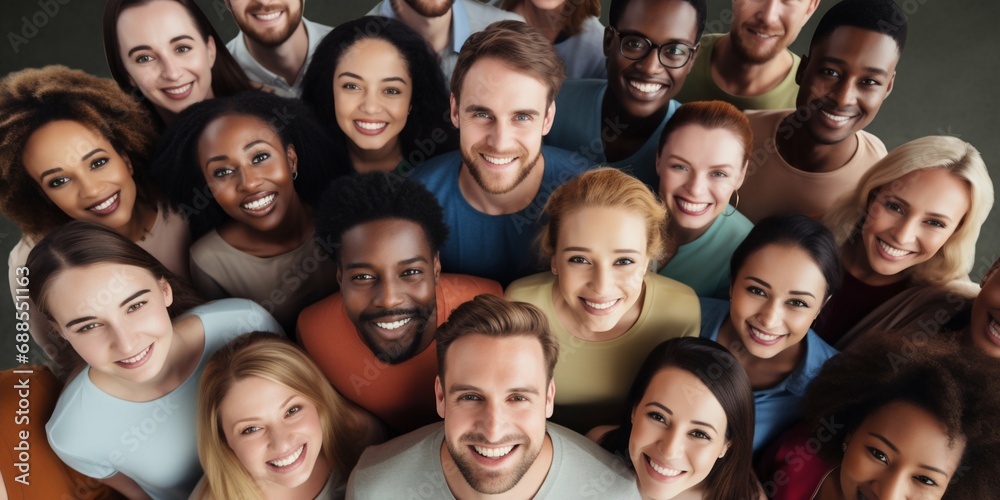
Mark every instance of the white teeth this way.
pixel 268 17
pixel 137 357
pixel 499 161
pixel 179 90
pixel 892 251
pixel 493 452
pixel 290 459
pixel 766 337
pixel 838 119
pixel 371 125
pixel 691 207
pixel 600 305
pixel 259 204
pixel 646 87
pixel 994 328
pixel 394 325
pixel 106 203
pixel 663 470
pixel 761 35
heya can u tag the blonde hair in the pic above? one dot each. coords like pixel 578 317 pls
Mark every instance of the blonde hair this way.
pixel 956 258
pixel 273 358
pixel 606 187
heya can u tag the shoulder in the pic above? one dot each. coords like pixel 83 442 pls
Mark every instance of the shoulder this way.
pixel 399 459
pixel 239 315
pixel 530 288
pixel 487 13
pixel 320 30
pixel 465 286
pixel 677 290
pixel 209 245
pixel 587 468
pixel 439 171
pixel 872 143
pixel 562 165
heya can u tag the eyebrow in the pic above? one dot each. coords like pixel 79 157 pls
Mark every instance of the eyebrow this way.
pixel 404 262
pixel 88 318
pixel 893 447
pixel 460 388
pixel 147 47
pixel 133 296
pixel 768 285
pixel 684 160
pixel 223 157
pixel 359 77
pixel 668 42
pixel 870 69
pixel 282 405
pixel 698 422
pixel 907 205
pixel 584 249
pixel 59 169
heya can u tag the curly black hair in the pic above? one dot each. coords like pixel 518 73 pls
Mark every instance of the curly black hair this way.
pixel 176 166
pixel 375 196
pixel 428 131
pixel 961 388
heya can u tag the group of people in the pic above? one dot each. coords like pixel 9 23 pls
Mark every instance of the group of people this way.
pixel 459 250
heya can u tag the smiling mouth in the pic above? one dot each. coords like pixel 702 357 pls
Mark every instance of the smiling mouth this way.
pixel 393 325
pixel 179 91
pixel 271 16
pixel 498 160
pixel 763 337
pixel 288 459
pixel 106 206
pixel 259 206
pixel 644 87
pixel 762 35
pixel 371 125
pixel 891 251
pixel 137 359
pixel 663 471
pixel 494 453
pixel 691 208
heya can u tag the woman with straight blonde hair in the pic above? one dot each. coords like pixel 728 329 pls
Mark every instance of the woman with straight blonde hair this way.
pixel 604 300
pixel 908 238
pixel 271 426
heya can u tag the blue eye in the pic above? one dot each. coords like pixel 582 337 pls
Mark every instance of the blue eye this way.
pixel 250 430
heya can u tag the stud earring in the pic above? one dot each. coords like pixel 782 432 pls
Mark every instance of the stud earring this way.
pixel 843 447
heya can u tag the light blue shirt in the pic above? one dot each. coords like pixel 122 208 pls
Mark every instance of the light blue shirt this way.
pixel 467 17
pixel 498 247
pixel 258 73
pixel 703 264
pixel 154 443
pixel 579 127
pixel 776 408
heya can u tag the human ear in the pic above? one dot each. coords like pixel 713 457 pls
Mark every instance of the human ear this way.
pixel 168 292
pixel 801 69
pixel 293 158
pixel 437 266
pixel 725 448
pixel 550 116
pixel 210 46
pixel 454 110
pixel 550 398
pixel 439 396
pixel 888 90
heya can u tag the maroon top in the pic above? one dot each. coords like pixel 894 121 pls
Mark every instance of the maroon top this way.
pixel 851 304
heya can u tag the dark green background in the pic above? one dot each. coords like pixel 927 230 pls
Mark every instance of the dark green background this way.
pixel 944 83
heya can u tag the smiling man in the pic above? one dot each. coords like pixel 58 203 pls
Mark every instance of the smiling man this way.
pixel 276 43
pixel 805 159
pixel 494 390
pixel 374 338
pixel 494 188
pixel 649 46
pixel 751 66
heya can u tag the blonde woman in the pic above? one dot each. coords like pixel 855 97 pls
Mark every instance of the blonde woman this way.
pixel 908 238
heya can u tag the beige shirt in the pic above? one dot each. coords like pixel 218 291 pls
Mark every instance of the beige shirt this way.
pixel 773 187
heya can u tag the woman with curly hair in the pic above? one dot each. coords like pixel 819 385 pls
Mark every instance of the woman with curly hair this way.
pixel 890 419
pixel 248 171
pixel 907 237
pixel 74 146
pixel 270 425
pixel 377 88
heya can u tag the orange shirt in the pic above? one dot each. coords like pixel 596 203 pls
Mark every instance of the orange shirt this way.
pixel 402 395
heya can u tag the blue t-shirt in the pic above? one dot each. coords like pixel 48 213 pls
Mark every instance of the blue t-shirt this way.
pixel 497 247
pixel 776 408
pixel 703 264
pixel 154 443
pixel 579 127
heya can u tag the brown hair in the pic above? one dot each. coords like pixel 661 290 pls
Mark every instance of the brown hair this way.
pixel 496 317
pixel 711 115
pixel 605 187
pixel 571 17
pixel 33 98
pixel 516 45
pixel 268 356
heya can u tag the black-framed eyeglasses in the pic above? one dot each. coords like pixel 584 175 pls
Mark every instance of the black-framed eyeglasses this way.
pixel 671 55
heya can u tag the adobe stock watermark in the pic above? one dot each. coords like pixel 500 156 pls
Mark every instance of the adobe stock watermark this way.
pixel 32 25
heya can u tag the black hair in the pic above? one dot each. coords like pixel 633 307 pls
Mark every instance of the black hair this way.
pixel 428 130
pixel 375 196
pixel 798 230
pixel 181 180
pixel 732 475
pixel 618 8
pixel 880 16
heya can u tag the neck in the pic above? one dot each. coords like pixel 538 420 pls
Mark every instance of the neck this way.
pixel 684 235
pixel 384 159
pixel 527 487
pixel 855 260
pixel 801 151
pixel 549 23
pixel 436 30
pixel 143 218
pixel 510 202
pixel 309 489
pixel 285 60
pixel 619 124
pixel 747 78
pixel 763 373
pixel 567 319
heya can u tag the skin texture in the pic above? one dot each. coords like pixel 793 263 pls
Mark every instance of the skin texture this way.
pixel 267 32
pixel 372 88
pixel 899 451
pixel 912 217
pixel 165 56
pixel 430 8
pixel 79 170
pixel 680 428
pixel 779 20
pixel 501 116
pixel 599 263
pixel 495 395
pixel 388 274
pixel 985 325
pixel 264 422
pixel 699 170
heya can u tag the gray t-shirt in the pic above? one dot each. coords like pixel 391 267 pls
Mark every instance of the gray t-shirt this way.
pixel 409 467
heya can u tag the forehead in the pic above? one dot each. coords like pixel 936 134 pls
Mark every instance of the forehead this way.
pixel 372 55
pixel 94 289
pixel 160 20
pixel 496 364
pixel 932 190
pixel 491 83
pixel 252 395
pixel 715 146
pixel 685 395
pixel 384 242
pixel 240 128
pixel 919 435
pixel 856 46
pixel 612 227
pixel 63 141
pixel 661 20
pixel 784 267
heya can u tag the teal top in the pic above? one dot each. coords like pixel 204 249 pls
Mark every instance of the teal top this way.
pixel 703 264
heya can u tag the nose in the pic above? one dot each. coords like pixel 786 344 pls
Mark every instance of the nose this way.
pixel 671 443
pixel 492 423
pixel 905 231
pixel 169 69
pixel 601 279
pixel 89 187
pixel 769 11
pixel 280 439
pixel 370 102
pixel 696 184
pixel 650 64
pixel 123 340
pixel 249 179
pixel 388 295
pixel 500 136
pixel 770 314
pixel 844 94
pixel 892 485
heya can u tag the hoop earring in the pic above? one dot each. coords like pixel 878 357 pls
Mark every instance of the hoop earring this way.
pixel 734 206
pixel 295 175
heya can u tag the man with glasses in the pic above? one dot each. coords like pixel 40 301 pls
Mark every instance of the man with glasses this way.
pixel 649 45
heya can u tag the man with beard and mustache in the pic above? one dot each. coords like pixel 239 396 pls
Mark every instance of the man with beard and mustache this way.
pixel 751 66
pixel 495 391
pixel 374 338
pixel 445 24
pixel 648 46
pixel 494 188
pixel 276 43
pixel 806 159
